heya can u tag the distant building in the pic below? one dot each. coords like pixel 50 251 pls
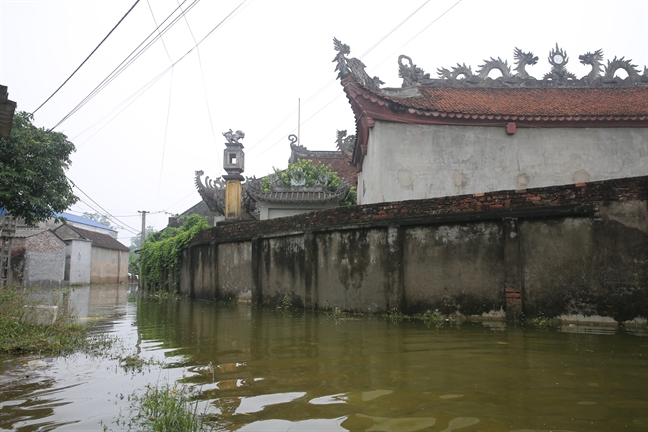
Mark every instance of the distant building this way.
pixel 38 258
pixel 7 110
pixel 467 133
pixel 93 257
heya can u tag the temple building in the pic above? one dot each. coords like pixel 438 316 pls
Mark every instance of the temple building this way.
pixel 281 200
pixel 466 132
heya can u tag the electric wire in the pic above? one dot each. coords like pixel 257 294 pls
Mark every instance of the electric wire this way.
pixel 87 58
pixel 325 86
pixel 133 56
pixel 166 132
pixel 147 86
pixel 202 74
pixel 158 29
pixel 107 213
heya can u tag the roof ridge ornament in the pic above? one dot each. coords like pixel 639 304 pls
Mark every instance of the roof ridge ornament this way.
pixel 354 66
pixel 558 60
pixel 462 75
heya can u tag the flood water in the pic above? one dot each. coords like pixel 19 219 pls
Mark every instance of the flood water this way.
pixel 263 369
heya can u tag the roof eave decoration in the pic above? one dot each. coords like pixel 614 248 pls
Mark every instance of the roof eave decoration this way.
pixel 212 191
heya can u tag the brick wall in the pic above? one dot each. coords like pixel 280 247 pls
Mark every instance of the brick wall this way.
pixel 490 205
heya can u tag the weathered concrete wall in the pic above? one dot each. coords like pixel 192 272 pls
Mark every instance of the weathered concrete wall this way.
pixel 572 252
pixel 350 269
pixel 108 266
pixel 407 162
pixel 455 267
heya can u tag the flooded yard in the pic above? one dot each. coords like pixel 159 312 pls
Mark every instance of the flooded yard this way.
pixel 263 369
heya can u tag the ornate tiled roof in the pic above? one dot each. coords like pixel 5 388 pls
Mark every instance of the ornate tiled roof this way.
pixel 461 97
pixel 532 103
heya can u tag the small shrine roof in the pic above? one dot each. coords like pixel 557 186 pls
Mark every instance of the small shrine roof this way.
pixel 295 196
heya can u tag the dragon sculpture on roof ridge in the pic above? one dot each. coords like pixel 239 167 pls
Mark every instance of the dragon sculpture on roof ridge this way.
pixel 462 75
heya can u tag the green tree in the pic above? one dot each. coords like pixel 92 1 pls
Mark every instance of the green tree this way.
pixel 102 219
pixel 33 161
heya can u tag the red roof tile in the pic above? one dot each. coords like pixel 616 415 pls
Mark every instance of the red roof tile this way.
pixel 552 102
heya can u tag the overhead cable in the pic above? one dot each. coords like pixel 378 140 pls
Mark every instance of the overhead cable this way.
pixel 134 55
pixel 86 59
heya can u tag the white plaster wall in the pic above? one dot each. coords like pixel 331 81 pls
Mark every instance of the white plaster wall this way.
pixel 406 162
pixel 276 210
pixel 78 255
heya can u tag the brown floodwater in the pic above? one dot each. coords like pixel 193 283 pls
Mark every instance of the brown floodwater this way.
pixel 263 369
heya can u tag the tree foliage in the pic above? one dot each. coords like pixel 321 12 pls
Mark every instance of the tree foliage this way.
pixel 312 173
pixel 102 219
pixel 162 251
pixel 33 161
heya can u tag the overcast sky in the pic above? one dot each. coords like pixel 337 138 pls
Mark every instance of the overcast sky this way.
pixel 141 154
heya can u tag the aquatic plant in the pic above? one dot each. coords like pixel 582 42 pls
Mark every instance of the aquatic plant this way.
pixel 286 303
pixel 437 319
pixel 164 408
pixel 395 315
pixel 541 321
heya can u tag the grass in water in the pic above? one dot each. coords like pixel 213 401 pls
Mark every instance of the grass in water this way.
pixel 164 408
pixel 63 337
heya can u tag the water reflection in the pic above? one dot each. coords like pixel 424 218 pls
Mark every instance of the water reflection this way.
pixel 260 369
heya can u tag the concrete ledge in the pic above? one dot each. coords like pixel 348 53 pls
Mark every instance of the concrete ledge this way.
pixel 39 315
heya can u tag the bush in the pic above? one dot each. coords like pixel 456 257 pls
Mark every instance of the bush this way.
pixel 162 251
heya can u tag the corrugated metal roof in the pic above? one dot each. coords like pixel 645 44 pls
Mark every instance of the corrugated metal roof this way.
pixel 82 220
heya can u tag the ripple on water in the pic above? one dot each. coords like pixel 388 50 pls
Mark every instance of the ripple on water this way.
pixel 340 398
pixel 258 403
pixel 409 424
pixel 451 396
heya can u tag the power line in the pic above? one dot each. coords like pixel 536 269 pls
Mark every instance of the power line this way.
pixel 333 80
pixel 158 29
pixel 86 59
pixel 144 88
pixel 134 55
pixel 107 213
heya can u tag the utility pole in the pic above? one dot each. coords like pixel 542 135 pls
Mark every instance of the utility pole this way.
pixel 143 226
pixel 140 283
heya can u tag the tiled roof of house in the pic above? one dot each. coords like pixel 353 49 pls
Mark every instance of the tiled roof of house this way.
pixel 102 240
pixel 531 102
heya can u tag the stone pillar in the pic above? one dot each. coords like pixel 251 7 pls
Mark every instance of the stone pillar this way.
pixel 395 268
pixel 232 199
pixel 512 269
pixel 233 164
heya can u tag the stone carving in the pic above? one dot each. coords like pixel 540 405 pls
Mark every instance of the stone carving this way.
pixel 462 75
pixel 523 60
pixel 622 63
pixel 298 178
pixel 593 59
pixel 233 137
pixel 346 145
pixel 212 192
pixel 411 74
pixel 354 66
pixel 491 64
pixel 558 60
